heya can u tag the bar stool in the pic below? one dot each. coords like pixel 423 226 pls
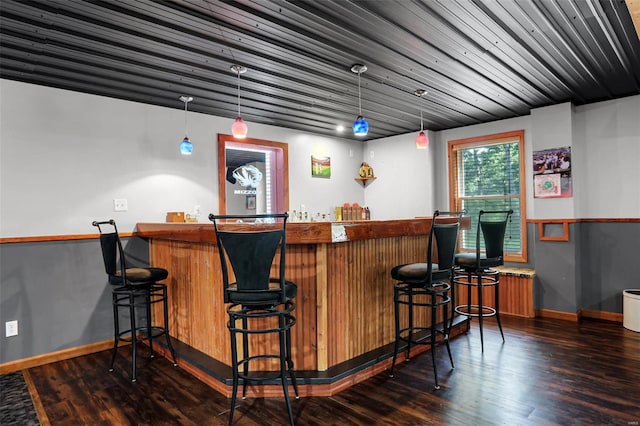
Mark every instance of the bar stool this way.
pixel 133 288
pixel 427 285
pixel 480 265
pixel 258 304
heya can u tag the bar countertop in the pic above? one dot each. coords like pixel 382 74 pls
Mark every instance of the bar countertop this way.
pixel 297 232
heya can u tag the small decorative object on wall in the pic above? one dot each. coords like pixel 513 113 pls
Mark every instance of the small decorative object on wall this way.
pixel 365 171
pixel 251 202
pixel 365 174
pixel 552 173
pixel 320 167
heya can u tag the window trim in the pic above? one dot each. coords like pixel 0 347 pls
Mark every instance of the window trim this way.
pixel 492 139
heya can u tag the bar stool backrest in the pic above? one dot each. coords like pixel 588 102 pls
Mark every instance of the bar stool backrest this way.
pixel 112 251
pixel 493 232
pixel 251 253
pixel 444 229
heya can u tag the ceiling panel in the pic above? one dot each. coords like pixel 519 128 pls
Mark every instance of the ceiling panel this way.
pixel 479 60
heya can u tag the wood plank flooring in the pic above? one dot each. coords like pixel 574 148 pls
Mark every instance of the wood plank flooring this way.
pixel 548 372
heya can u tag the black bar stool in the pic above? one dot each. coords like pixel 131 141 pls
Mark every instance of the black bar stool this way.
pixel 479 265
pixel 427 285
pixel 259 304
pixel 133 288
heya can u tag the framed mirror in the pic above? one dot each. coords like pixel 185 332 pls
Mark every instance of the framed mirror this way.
pixel 253 176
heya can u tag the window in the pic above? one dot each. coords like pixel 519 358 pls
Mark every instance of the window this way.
pixel 487 173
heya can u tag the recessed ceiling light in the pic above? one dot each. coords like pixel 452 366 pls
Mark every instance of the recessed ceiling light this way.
pixel 339 128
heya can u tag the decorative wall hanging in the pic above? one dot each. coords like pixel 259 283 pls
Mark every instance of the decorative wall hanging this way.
pixel 320 167
pixel 552 173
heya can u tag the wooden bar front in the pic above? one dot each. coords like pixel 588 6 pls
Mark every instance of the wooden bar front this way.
pixel 345 292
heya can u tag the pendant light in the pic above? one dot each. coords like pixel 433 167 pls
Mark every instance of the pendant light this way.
pixel 360 126
pixel 186 147
pixel 422 141
pixel 239 128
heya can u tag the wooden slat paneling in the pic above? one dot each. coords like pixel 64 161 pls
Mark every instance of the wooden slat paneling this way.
pixel 198 315
pixel 516 295
pixel 344 302
pixel 361 293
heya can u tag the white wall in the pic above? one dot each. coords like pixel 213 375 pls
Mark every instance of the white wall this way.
pixel 607 164
pixel 405 182
pixel 552 127
pixel 64 157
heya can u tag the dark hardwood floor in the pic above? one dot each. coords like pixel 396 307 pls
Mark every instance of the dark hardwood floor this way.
pixel 548 372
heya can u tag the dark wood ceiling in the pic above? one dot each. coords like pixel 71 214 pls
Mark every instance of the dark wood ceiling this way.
pixel 479 60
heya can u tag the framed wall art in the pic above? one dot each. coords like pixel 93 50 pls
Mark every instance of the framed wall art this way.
pixel 552 173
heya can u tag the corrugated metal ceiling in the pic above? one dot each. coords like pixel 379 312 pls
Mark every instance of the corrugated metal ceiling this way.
pixel 479 60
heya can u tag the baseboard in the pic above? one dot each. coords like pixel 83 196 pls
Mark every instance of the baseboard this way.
pixel 582 313
pixel 601 315
pixel 549 313
pixel 35 361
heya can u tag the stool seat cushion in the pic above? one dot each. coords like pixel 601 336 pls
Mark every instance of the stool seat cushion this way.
pixel 417 272
pixel 469 261
pixel 140 275
pixel 271 296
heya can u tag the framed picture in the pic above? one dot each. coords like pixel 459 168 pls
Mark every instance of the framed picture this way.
pixel 251 202
pixel 320 167
pixel 552 173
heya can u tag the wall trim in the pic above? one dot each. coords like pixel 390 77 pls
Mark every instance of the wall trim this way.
pixel 601 315
pixel 549 313
pixel 70 237
pixel 582 313
pixel 38 360
pixel 47 238
pixel 586 220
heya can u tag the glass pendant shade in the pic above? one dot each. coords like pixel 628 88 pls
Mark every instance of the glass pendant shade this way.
pixel 422 141
pixel 239 128
pixel 186 147
pixel 360 126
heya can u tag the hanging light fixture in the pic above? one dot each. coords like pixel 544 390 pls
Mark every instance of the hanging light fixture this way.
pixel 360 126
pixel 422 141
pixel 239 128
pixel 186 147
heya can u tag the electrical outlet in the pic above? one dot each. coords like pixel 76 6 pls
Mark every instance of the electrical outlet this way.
pixel 120 205
pixel 11 328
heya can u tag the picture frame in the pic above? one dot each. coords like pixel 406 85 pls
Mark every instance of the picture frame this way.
pixel 321 167
pixel 552 173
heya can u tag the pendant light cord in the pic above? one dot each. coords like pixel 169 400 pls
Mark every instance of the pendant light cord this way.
pixel 185 118
pixel 238 93
pixel 359 96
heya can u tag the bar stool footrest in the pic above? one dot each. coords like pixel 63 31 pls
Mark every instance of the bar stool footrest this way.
pixel 476 311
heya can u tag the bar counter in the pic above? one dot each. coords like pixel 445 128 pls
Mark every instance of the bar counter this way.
pixel 345 323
